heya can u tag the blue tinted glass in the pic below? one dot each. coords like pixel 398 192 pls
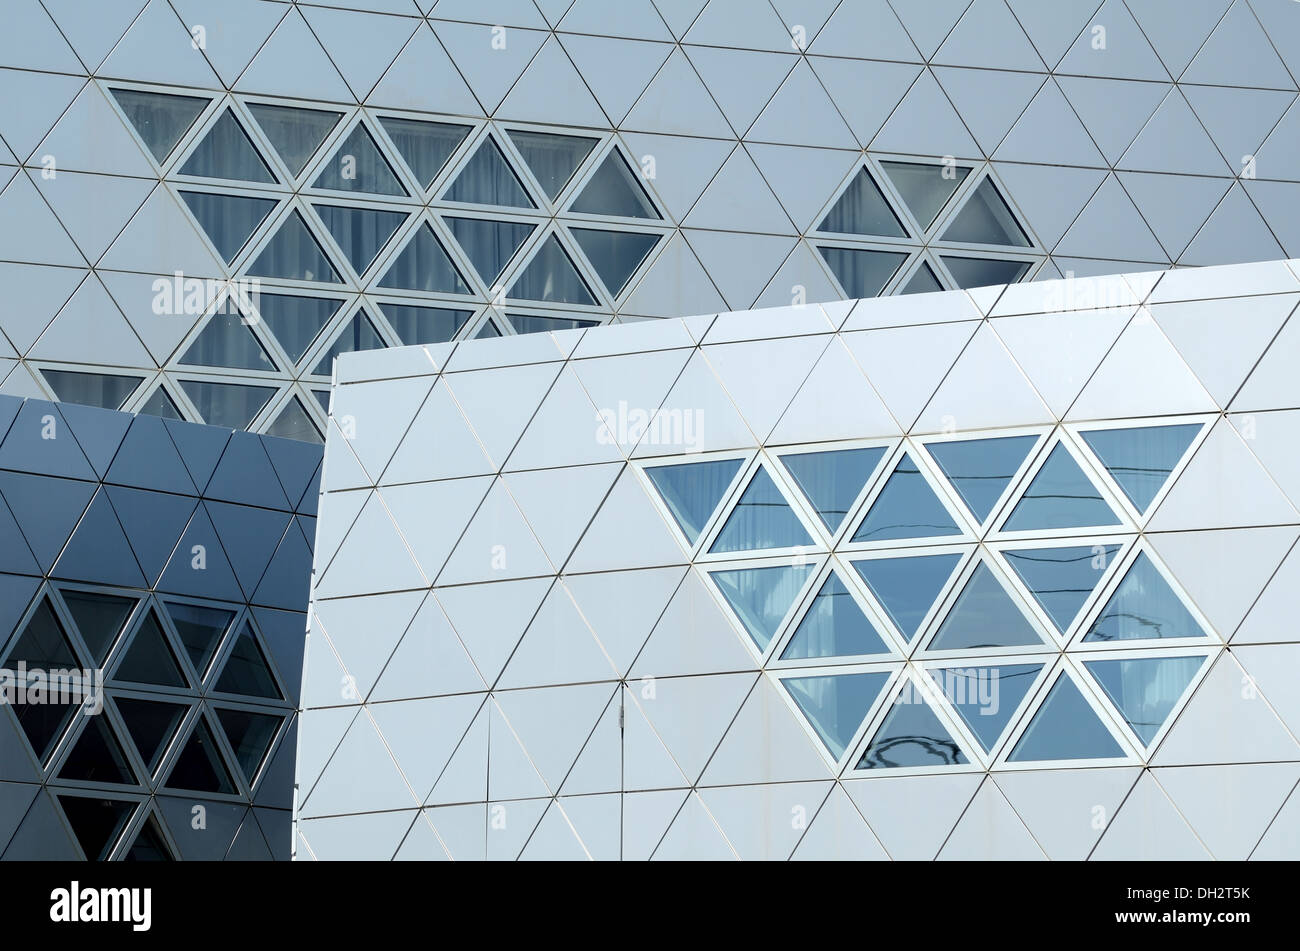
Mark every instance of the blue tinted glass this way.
pixel 862 209
pixel 160 120
pixel 489 245
pixel 227 404
pixel 551 276
pixel 1060 496
pixel 199 767
pixel 614 190
pixel 1065 727
pixel 983 272
pixel 226 152
pixel 552 158
pixel 530 324
pixel 295 133
pixel 831 481
pixel 911 736
pixel 486 179
pixel 984 616
pixel 294 254
pixel 358 166
pixel 1061 579
pixel 862 273
pixel 1143 607
pixel 99 618
pixel 1145 689
pixel 761 597
pixel 360 232
pixel 294 423
pixel 159 404
pixel 420 325
pixel 227 342
pixel 986 219
pixel 97 756
pixel 91 389
pixel 228 220
pixel 923 282
pixel 614 254
pixel 149 659
pixel 425 146
pixel 925 188
pixel 906 508
pixel 423 265
pixel 295 321
pixel 1140 460
pixel 200 628
pixel 761 519
pixel 985 697
pixel 980 469
pixel 246 670
pixel 693 490
pixel 907 587
pixel 42 644
pixel 250 736
pixel 834 627
pixel 359 334
pixel 488 330
pixel 836 706
pixel 151 724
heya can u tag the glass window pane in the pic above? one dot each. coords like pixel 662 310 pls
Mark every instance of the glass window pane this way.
pixel 984 616
pixel 907 587
pixel 1062 579
pixel 614 190
pixel 96 822
pixel 925 188
pixel 486 179
pixel 200 768
pixel 159 119
pixel 294 423
pixel 615 255
pixel 200 628
pixel 911 736
pixel 983 272
pixel 149 659
pixel 295 133
pixel 228 220
pixel 836 706
pixel 906 508
pixel 97 756
pixel 1145 689
pixel 424 146
pixel 693 490
pixel 99 618
pixel 420 325
pixel 862 209
pixel 761 519
pixel 323 398
pixel 295 321
pixel 423 265
pixel 44 724
pixel 831 481
pixel 981 469
pixel 1141 459
pixel 160 404
pixel 149 845
pixel 761 597
pixel 985 697
pixel 227 341
pixel 359 334
pixel 359 166
pixel 489 245
pixel 834 627
pixel 551 276
pixel 488 330
pixel 862 273
pixel 530 324
pixel 151 724
pixel 1060 496
pixel 294 254
pixel 91 389
pixel 986 219
pixel 923 281
pixel 360 232
pixel 552 158
pixel 250 736
pixel 246 669
pixel 1143 607
pixel 42 645
pixel 227 404
pixel 226 152
pixel 1065 727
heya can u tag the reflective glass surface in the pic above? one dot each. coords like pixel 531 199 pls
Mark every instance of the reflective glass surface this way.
pixel 907 587
pixel 693 490
pixel 986 219
pixel 250 735
pixel 486 179
pixel 91 389
pixel 293 253
pixel 228 220
pixel 96 822
pixel 489 245
pixel 981 469
pixel 246 669
pixel 1061 579
pixel 295 133
pixel 925 188
pixel 834 626
pixel 99 618
pixel 761 519
pixel 862 273
pixel 1060 496
pixel 227 404
pixel 358 166
pixel 906 508
pixel 984 616
pixel 200 628
pixel 97 756
pixel 831 481
pixel 424 146
pixel 423 265
pixel 836 705
pixel 1145 689
pixel 227 341
pixel 149 659
pixel 226 152
pixel 983 272
pixel 152 724
pixel 862 209
pixel 360 232
pixel 532 324
pixel 42 645
pixel 161 405
pixel 761 597
pixel 614 189
pixel 551 276
pixel 199 768
pixel 294 423
pixel 160 119
pixel 923 281
pixel 986 697
pixel 1141 459
pixel 1143 607
pixel 420 325
pixel 911 736
pixel 359 334
pixel 614 254
pixel 295 321
pixel 1065 727
pixel 552 158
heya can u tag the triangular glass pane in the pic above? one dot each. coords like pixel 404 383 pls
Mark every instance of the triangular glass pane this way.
pixel 43 644
pixel 425 146
pixel 489 245
pixel 246 670
pixel 226 152
pixel 984 615
pixel 986 219
pixel 294 423
pixel 615 255
pixel 106 390
pixel 250 736
pixel 761 597
pixel 360 232
pixel 693 490
pixel 925 188
pixel 149 845
pixel 532 324
pixel 551 276
pixel 1065 727
pixel 862 273
pixel 1143 607
pixel 862 209
pixel 229 220
pixel 294 254
pixel 487 179
pixel 834 626
pixel 227 404
pixel 99 618
pixel 97 756
pixel 423 265
pixel 614 190
pixel 151 724
pixel 295 133
pixel 832 481
pixel 45 723
pixel 323 398
pixel 1060 496
pixel 761 519
pixel 836 705
pixel 96 822
pixel 359 334
pixel 1145 689
pixel 200 628
pixel 981 469
pixel 1141 459
pixel 200 768
pixel 159 119
pixel 986 697
pixel 227 341
pixel 907 587
pixel 923 281
pixel 983 272
pixel 487 331
pixel 420 325
pixel 911 736
pixel 160 404
pixel 906 508
pixel 552 158
pixel 1062 579
pixel 295 321
pixel 359 166
pixel 149 658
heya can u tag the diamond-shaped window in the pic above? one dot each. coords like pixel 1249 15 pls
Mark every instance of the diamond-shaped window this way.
pixel 762 518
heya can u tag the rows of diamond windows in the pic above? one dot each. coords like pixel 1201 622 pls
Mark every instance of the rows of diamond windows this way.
pixel 963 601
